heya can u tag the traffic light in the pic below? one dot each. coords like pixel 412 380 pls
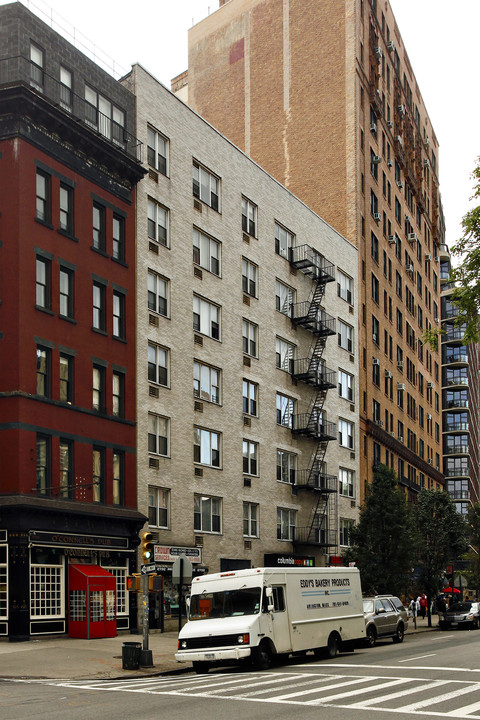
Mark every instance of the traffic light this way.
pixel 133 583
pixel 155 583
pixel 147 547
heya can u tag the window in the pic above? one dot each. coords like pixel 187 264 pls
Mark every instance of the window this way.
pixel 345 336
pixel 346 484
pixel 157 151
pixel 345 433
pixel 66 378
pixel 98 475
pixel 118 236
pixel 373 164
pixel 65 88
pixel 66 209
pixel 37 61
pixel 158 507
pixel 249 278
pixel 249 338
pixel 206 186
pixel 47 590
pixel 376 411
pixel 375 330
pixel 250 457
pixel 105 117
pixel 283 241
pixel 285 410
pixel 118 392
pixel 98 389
pixel 344 287
pixel 373 204
pixel 43 371
pixel 66 292
pixel 249 217
pixel 98 225
pixel 99 306
pixel 65 468
pixel 43 283
pixel 158 364
pixel 43 465
pixel 206 447
pixel 346 524
pixel 284 355
pixel 118 474
pixel 206 382
pixel 206 318
pixel 286 523
pixel 118 315
pixel 345 385
pixel 207 514
pixel 375 289
pixel 158 434
pixel 284 297
pixel 286 466
pixel 157 222
pixel 43 210
pixel 250 519
pixel 158 293
pixel 206 252
pixel 250 397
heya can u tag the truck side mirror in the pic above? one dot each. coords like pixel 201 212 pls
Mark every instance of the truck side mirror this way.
pixel 269 592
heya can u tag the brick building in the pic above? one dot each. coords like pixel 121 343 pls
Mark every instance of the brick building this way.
pixel 69 164
pixel 323 96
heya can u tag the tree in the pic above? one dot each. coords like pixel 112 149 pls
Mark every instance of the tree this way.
pixel 472 571
pixel 466 296
pixel 381 543
pixel 441 538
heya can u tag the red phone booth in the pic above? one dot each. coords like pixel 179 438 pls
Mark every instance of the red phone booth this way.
pixel 92 602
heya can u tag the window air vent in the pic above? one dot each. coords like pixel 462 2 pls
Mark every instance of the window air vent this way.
pixel 352 503
pixel 152 391
pixel 198 540
pixel 153 320
pixel 246 238
pixel 247 482
pixel 352 358
pixel 246 300
pixel 197 205
pixel 153 247
pixel 352 456
pixel 153 175
pixel 198 273
pixel 198 340
pixel 351 310
pixel 247 421
pixel 153 463
pixel 247 361
pixel 247 545
pixel 352 408
pixel 198 406
pixel 198 472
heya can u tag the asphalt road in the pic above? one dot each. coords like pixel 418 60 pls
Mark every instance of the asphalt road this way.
pixel 429 675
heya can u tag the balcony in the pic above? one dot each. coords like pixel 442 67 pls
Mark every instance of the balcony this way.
pixel 456 450
pixel 459 494
pixel 316 480
pixel 449 382
pixel 311 262
pixel 454 334
pixel 314 536
pixel 306 424
pixel 311 318
pixel 461 357
pixel 456 472
pixel 462 404
pixel 455 426
pixel 310 371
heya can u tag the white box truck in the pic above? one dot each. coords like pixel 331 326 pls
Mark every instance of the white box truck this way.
pixel 258 613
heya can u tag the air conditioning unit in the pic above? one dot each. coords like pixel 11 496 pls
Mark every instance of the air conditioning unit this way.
pixel 373 127
pixel 388 374
pixel 409 268
pixel 400 386
pixel 378 53
pixel 426 142
pixel 400 364
pixel 400 437
pixel 392 434
pixel 412 238
pixel 400 183
pixel 376 159
pixel 437 320
pixel 429 417
pixel 390 123
pixel 430 384
pixel 376 216
pixel 401 109
pixel 398 139
pixel 390 163
pixel 428 257
pixel 430 461
pixel 426 163
pixel 391 45
pixel 376 361
pixel 436 259
pixel 379 423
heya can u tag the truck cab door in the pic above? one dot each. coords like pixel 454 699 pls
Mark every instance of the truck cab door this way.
pixel 277 619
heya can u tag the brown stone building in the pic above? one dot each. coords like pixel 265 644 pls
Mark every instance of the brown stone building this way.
pixel 322 95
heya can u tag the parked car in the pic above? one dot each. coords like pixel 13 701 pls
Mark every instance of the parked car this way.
pixel 461 614
pixel 385 617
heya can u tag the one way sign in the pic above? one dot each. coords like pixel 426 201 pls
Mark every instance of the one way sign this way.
pixel 147 569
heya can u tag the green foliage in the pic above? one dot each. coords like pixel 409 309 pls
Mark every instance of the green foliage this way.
pixel 466 295
pixel 431 336
pixel 441 537
pixel 472 571
pixel 382 544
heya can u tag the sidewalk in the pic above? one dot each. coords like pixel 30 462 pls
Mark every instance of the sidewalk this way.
pixel 68 658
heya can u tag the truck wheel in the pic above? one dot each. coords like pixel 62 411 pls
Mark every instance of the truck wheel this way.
pixel 332 647
pixel 262 658
pixel 399 634
pixel 201 667
pixel 371 638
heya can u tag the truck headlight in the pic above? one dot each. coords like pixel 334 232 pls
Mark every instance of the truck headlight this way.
pixel 243 639
pixel 182 644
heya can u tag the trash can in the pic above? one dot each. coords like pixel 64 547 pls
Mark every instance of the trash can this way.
pixel 131 655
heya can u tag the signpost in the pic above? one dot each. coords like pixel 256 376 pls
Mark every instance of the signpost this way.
pixel 146 656
pixel 181 573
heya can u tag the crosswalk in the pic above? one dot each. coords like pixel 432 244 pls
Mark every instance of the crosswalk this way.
pixel 449 698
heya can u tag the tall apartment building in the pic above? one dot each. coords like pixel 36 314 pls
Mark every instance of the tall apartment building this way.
pixel 246 301
pixel 460 391
pixel 68 494
pixel 323 96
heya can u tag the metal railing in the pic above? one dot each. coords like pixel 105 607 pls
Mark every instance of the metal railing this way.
pixel 305 424
pixel 312 371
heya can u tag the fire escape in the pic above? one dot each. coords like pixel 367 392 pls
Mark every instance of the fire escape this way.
pixel 322 525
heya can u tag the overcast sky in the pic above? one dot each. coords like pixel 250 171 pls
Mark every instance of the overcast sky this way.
pixel 441 39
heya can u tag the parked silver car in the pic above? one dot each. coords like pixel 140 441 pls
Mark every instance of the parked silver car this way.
pixel 461 614
pixel 385 617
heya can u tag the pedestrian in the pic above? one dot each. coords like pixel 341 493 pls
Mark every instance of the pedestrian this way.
pixel 423 605
pixel 412 608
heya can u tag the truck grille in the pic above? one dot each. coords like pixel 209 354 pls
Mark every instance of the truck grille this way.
pixel 212 641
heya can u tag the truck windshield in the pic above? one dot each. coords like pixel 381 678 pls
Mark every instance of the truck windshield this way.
pixel 229 603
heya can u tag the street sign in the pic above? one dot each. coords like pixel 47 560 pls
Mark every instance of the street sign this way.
pixel 181 570
pixel 147 569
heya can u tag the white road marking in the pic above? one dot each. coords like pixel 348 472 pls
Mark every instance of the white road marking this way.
pixel 358 691
pixel 345 682
pixel 440 698
pixel 395 667
pixel 391 696
pixel 419 657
